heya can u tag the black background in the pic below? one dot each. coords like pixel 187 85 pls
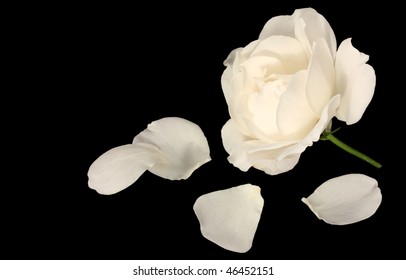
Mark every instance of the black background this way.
pixel 96 75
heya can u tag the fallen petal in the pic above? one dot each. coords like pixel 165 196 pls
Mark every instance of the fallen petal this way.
pixel 120 167
pixel 171 148
pixel 230 217
pixel 345 199
pixel 182 143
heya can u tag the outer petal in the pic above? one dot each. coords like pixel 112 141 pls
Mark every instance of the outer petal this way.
pixel 305 24
pixel 275 157
pixel 235 84
pixel 246 152
pixel 232 137
pixel 120 167
pixel 314 135
pixel 230 217
pixel 271 163
pixel 183 144
pixel 355 81
pixel 321 77
pixel 286 49
pixel 279 25
pixel 294 116
pixel 345 199
pixel 315 27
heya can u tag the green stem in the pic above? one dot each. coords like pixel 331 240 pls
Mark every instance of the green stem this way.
pixel 329 136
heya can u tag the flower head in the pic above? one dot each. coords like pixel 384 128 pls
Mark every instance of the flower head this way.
pixel 284 88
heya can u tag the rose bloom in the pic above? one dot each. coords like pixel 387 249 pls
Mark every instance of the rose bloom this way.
pixel 283 90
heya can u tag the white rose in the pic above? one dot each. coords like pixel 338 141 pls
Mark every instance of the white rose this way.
pixel 283 90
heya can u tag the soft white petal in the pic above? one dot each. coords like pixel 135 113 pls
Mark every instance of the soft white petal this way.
pixel 264 157
pixel 258 68
pixel 306 25
pixel 232 63
pixel 345 199
pixel 286 49
pixel 321 77
pixel 240 55
pixel 314 135
pixel 272 157
pixel 294 117
pixel 235 89
pixel 182 143
pixel 226 84
pixel 300 33
pixel 355 81
pixel 232 137
pixel 271 163
pixel 315 27
pixel 120 167
pixel 279 25
pixel 245 152
pixel 230 217
pixel 263 106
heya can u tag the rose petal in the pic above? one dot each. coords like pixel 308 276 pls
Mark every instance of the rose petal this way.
pixel 230 217
pixel 300 33
pixel 182 143
pixel 321 77
pixel 316 27
pixel 232 85
pixel 272 157
pixel 232 137
pixel 239 55
pixel 345 199
pixel 272 163
pixel 279 25
pixel 314 135
pixel 235 84
pixel 305 24
pixel 256 68
pixel 355 81
pixel 294 116
pixel 120 167
pixel 263 105
pixel 245 152
pixel 170 147
pixel 286 49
